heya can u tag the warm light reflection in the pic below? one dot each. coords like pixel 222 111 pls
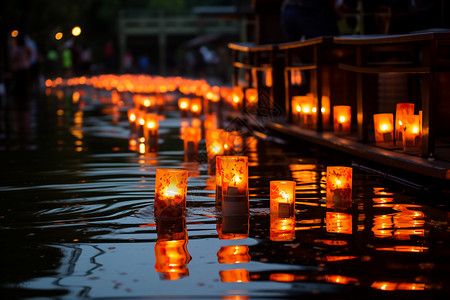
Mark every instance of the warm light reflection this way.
pixel 233 254
pixel 233 228
pixel 392 286
pixel 76 31
pixel 235 275
pixel 58 36
pixel 340 279
pixel 338 222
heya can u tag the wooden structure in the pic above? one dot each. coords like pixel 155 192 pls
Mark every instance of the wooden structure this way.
pixel 347 69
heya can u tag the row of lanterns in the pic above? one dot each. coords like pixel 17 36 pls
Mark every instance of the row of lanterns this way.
pixel 407 132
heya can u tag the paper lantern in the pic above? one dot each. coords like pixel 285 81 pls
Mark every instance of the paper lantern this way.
pixel 282 198
pixel 384 129
pixel 402 110
pixel 140 123
pixel 338 222
pixel 214 147
pixel 282 229
pixel 339 187
pixel 308 111
pixel 233 254
pixel 234 173
pixel 233 228
pixel 251 98
pixel 183 104
pixel 196 107
pixel 151 131
pixel 170 193
pixel 342 118
pixel 171 252
pixel 412 141
pixel 191 137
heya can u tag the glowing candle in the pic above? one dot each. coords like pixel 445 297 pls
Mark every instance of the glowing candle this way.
pixel 308 111
pixel 337 222
pixel 191 137
pixel 183 104
pixel 282 229
pixel 402 110
pixel 282 198
pixel 342 119
pixel 214 147
pixel 384 128
pixel 140 122
pixel 196 107
pixel 411 133
pixel 296 109
pixel 170 193
pixel 237 96
pixel 251 97
pixel 234 175
pixel 325 111
pixel 233 254
pixel 132 112
pixel 339 187
pixel 151 132
pixel 171 252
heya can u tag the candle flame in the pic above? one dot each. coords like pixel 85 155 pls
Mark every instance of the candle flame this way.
pixel 195 108
pixel 151 125
pixel 415 129
pixel 132 117
pixel 400 122
pixel 314 109
pixel 322 109
pixel 146 103
pixel 141 121
pixel 384 127
pixel 338 182
pixel 183 104
pixel 284 195
pixel 299 108
pixel 342 119
pixel 236 99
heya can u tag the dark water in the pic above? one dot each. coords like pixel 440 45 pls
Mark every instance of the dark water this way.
pixel 77 219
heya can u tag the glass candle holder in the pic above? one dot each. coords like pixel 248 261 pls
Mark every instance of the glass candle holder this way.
pixel 218 182
pixel 170 193
pixel 282 229
pixel 183 105
pixel 282 198
pixel 412 141
pixel 342 119
pixel 384 129
pixel 140 124
pixel 237 98
pixel 251 98
pixel 191 137
pixel 326 111
pixel 296 109
pixel 171 252
pixel 234 173
pixel 233 254
pixel 151 131
pixel 308 111
pixel 338 222
pixel 196 107
pixel 339 187
pixel 402 110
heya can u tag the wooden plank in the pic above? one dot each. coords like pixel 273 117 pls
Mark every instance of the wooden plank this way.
pixel 403 161
pixel 385 69
pixel 389 38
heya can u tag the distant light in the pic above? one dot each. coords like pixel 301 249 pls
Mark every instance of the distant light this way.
pixel 58 36
pixel 14 33
pixel 76 31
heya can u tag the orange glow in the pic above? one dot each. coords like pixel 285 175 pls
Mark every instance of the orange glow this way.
pixel 234 177
pixel 235 275
pixel 342 119
pixel 282 277
pixel 282 229
pixel 76 31
pixel 58 36
pixel 340 279
pixel 282 198
pixel 411 134
pixel 339 187
pixel 402 110
pixel 172 258
pixel 339 222
pixel 384 129
pixel 170 192
pixel 233 254
pixel 14 33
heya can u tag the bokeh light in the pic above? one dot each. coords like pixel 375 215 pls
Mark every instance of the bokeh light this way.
pixel 58 36
pixel 76 31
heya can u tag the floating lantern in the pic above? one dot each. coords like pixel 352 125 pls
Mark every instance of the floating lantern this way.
pixel 234 173
pixel 170 193
pixel 233 228
pixel 282 229
pixel 235 275
pixel 402 110
pixel 339 187
pixel 183 104
pixel 234 254
pixel 282 198
pixel 337 222
pixel 191 137
pixel 237 97
pixel 384 128
pixel 214 147
pixel 132 115
pixel 151 131
pixel 140 123
pixel 411 133
pixel 171 252
pixel 196 107
pixel 342 118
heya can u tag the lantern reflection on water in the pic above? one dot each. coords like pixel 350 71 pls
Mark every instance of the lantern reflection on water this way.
pixel 337 222
pixel 233 254
pixel 170 193
pixel 191 137
pixel 282 229
pixel 234 177
pixel 233 228
pixel 235 275
pixel 339 187
pixel 171 252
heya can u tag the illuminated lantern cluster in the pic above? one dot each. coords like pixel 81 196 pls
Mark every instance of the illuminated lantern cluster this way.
pixel 304 111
